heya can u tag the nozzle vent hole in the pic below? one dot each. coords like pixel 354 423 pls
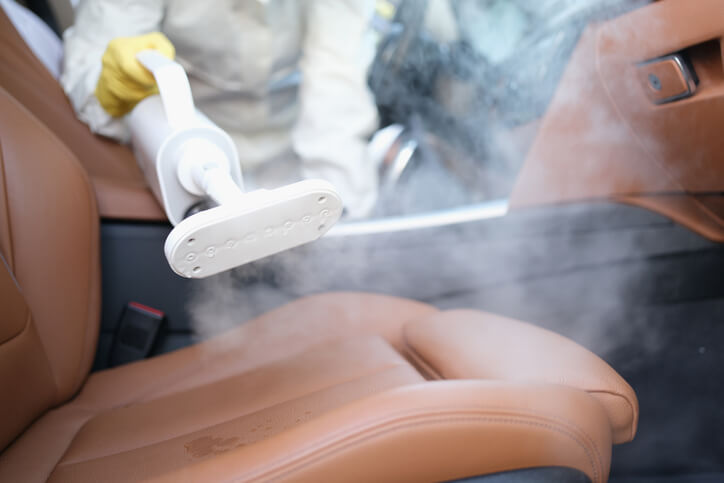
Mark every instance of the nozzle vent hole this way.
pixel 322 200
pixel 190 241
pixel 197 269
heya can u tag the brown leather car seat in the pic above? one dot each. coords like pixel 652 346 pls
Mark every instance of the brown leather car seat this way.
pixel 352 387
pixel 116 178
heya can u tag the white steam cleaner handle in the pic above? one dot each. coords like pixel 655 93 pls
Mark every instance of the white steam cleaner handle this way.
pixel 173 86
pixel 194 158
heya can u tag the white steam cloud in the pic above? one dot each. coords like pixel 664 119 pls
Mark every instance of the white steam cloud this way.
pixel 494 258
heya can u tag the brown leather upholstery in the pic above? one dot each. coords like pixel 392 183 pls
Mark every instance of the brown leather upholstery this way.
pixel 50 245
pixel 505 349
pixel 294 380
pixel 116 177
pixel 602 137
pixel 331 387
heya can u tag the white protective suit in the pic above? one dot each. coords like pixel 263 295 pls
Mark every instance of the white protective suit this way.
pixel 285 78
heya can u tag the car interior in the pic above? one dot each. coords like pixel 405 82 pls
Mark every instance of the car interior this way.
pixel 538 297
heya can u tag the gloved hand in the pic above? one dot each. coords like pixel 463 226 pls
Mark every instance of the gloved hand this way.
pixel 124 82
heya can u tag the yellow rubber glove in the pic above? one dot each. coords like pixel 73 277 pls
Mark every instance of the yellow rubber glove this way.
pixel 124 82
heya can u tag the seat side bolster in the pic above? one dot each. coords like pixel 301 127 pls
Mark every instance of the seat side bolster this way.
pixel 465 344
pixel 50 226
pixel 435 431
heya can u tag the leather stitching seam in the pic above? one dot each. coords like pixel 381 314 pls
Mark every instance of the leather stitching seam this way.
pixel 593 456
pixel 419 361
pixel 628 402
pixel 10 255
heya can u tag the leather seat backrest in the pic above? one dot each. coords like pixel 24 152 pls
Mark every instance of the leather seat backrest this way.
pixel 119 183
pixel 49 272
pixel 28 81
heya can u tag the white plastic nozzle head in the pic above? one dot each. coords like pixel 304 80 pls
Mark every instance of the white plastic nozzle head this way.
pixel 261 223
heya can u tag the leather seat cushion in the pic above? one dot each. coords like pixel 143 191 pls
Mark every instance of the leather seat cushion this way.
pixel 170 432
pixel 263 362
pixel 328 385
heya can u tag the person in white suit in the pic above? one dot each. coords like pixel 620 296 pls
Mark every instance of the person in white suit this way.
pixel 285 78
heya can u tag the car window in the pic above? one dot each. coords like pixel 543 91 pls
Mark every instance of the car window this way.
pixel 469 81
